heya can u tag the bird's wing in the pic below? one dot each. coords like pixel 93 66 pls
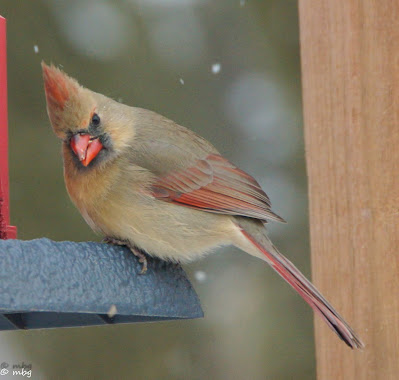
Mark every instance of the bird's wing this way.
pixel 215 185
pixel 190 172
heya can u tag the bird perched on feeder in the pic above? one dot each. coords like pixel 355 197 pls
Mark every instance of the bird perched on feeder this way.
pixel 148 183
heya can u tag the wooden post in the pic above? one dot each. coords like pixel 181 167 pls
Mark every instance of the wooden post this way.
pixel 350 71
pixel 6 231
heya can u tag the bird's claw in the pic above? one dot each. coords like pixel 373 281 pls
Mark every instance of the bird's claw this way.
pixel 140 255
pixel 142 259
pixel 144 266
pixel 110 240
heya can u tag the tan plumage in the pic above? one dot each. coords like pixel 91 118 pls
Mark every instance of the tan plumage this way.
pixel 138 177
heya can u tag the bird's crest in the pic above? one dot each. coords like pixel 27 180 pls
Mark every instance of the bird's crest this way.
pixel 58 86
pixel 63 95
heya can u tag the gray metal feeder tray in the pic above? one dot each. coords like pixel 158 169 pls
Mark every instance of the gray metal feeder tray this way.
pixel 47 284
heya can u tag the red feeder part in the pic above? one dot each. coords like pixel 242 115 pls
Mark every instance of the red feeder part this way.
pixel 6 231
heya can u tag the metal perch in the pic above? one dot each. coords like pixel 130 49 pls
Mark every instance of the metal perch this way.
pixel 46 284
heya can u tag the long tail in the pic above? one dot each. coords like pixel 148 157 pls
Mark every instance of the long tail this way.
pixel 302 285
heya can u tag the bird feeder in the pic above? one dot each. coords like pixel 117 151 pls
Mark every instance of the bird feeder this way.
pixel 6 231
pixel 47 284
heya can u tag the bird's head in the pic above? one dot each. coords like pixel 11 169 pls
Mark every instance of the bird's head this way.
pixel 83 119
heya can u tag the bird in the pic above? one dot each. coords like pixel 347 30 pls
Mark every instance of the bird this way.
pixel 141 180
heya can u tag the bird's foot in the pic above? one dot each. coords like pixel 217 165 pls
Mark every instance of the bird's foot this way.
pixel 110 240
pixel 140 255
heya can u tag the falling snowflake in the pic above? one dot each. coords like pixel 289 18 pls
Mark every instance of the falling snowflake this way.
pixel 200 276
pixel 112 311
pixel 181 80
pixel 216 67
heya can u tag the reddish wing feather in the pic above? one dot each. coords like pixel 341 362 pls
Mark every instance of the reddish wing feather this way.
pixel 215 185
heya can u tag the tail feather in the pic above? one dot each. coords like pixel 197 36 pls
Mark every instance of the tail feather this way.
pixel 306 290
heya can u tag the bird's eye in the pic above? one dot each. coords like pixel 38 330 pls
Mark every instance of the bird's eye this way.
pixel 95 120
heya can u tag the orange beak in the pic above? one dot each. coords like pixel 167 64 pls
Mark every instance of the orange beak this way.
pixel 86 147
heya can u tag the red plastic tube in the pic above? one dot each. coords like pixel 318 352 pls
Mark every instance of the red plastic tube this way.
pixel 6 231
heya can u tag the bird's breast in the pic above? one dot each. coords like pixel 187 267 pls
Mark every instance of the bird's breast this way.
pixel 117 203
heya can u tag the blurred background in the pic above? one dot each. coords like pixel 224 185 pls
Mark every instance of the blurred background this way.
pixel 229 70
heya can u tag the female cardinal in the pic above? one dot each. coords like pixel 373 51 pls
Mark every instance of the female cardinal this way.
pixel 143 181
